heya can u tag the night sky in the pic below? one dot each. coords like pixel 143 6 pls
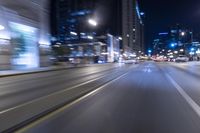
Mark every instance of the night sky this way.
pixel 161 14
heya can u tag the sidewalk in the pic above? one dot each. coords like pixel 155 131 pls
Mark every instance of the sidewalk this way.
pixel 194 63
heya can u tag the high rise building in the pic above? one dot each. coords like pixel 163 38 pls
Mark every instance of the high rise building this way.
pixel 132 27
pixel 81 28
pixel 180 34
pixel 161 42
pixel 73 15
pixel 118 18
pixel 179 40
pixel 72 18
pixel 24 33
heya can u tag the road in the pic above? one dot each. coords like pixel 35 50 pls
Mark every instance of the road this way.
pixel 145 98
pixel 19 89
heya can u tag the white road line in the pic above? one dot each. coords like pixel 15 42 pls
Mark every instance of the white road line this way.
pixel 37 122
pixel 55 93
pixel 189 100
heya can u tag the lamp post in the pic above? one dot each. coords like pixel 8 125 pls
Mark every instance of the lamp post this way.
pixel 184 44
pixel 191 33
pixel 182 33
pixel 92 22
pixel 149 52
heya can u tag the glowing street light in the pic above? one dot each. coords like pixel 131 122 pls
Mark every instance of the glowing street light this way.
pixel 90 37
pixel 2 27
pixel 73 33
pixel 92 22
pixel 198 51
pixel 173 45
pixel 142 13
pixel 192 53
pixel 175 52
pixel 182 33
pixel 192 49
pixel 149 51
pixel 120 38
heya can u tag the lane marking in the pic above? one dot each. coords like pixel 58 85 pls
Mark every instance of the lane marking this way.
pixel 189 100
pixel 147 70
pixel 16 82
pixel 62 109
pixel 52 94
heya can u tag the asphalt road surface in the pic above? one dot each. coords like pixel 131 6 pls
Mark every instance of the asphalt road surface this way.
pixel 145 98
pixel 17 90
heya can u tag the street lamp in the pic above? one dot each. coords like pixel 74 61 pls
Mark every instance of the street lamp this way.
pixel 175 52
pixel 90 37
pixel 2 27
pixel 191 33
pixel 142 13
pixel 172 45
pixel 73 33
pixel 198 51
pixel 149 51
pixel 120 38
pixel 192 49
pixel 92 22
pixel 182 33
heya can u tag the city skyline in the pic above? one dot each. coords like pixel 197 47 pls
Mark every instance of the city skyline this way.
pixel 161 15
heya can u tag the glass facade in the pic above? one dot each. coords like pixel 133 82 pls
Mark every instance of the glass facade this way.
pixel 24 34
pixel 73 16
pixel 25 52
pixel 83 27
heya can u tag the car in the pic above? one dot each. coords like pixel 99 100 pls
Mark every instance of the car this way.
pixel 130 62
pixel 182 58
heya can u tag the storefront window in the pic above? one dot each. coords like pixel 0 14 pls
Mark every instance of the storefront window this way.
pixel 24 45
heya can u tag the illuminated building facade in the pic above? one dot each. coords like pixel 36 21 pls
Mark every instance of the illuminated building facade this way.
pixel 121 20
pixel 132 27
pixel 72 21
pixel 24 34
pixel 80 38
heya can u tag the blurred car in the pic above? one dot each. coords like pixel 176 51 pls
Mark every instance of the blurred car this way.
pixel 182 58
pixel 171 60
pixel 130 61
